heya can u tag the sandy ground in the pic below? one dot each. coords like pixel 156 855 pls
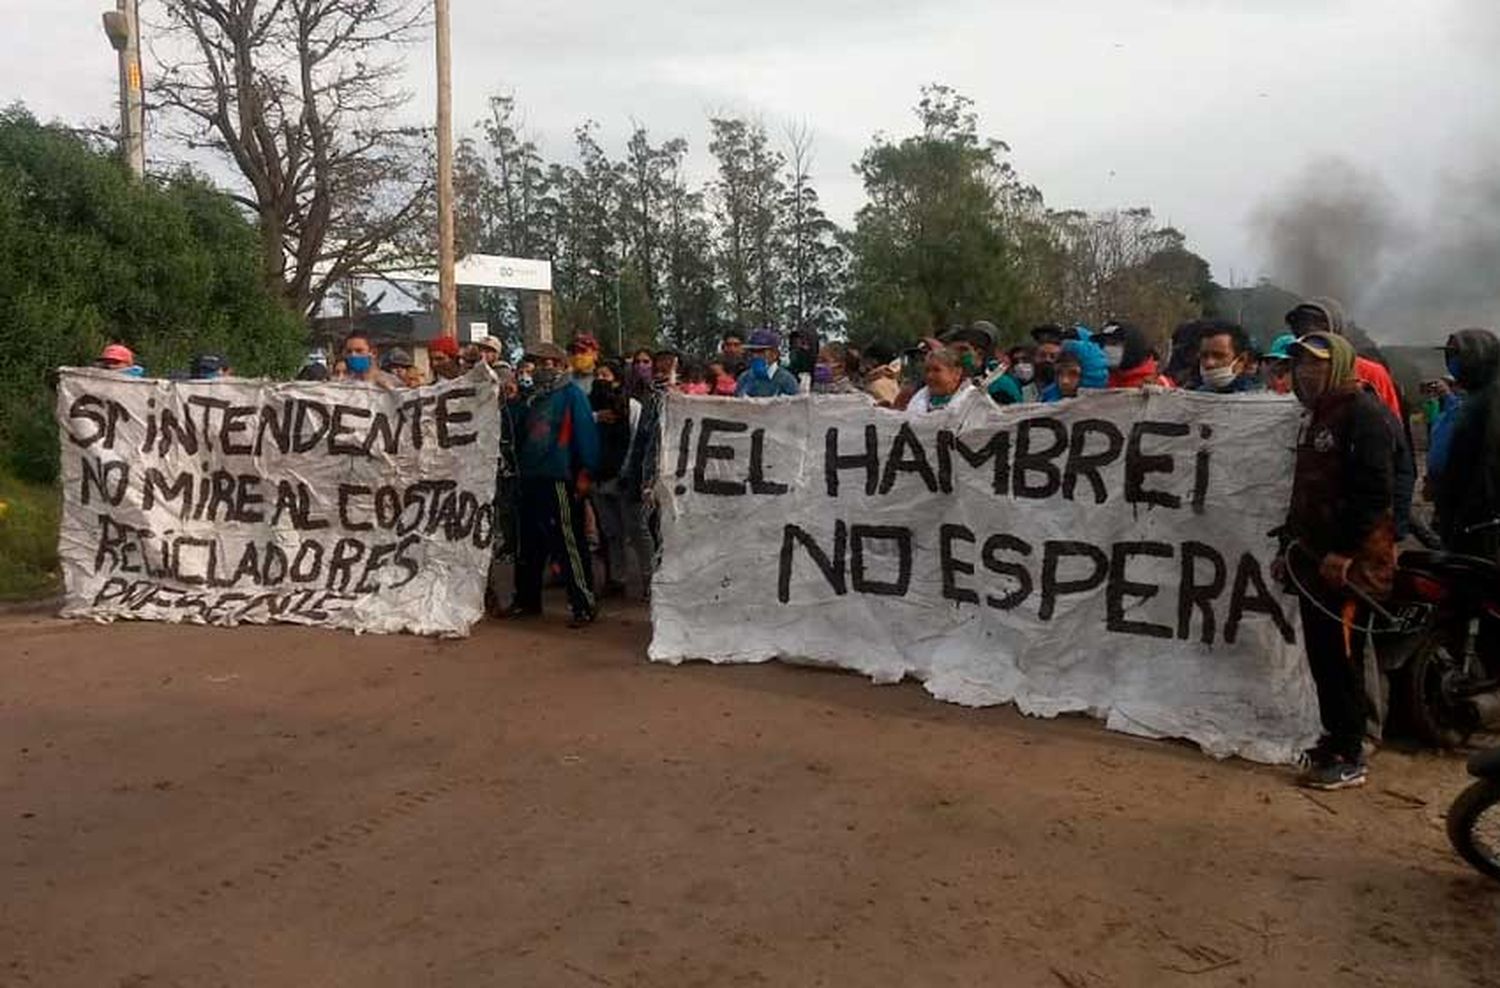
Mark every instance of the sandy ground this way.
pixel 533 806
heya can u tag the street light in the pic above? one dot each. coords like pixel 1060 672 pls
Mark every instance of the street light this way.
pixel 619 318
pixel 121 26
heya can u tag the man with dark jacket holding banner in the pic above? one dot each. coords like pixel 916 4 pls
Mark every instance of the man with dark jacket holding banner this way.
pixel 557 450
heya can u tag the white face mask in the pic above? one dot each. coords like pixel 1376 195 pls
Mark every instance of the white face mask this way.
pixel 1218 378
pixel 1114 355
pixel 1024 372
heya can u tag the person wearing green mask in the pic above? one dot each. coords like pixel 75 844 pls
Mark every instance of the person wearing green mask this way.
pixel 1340 535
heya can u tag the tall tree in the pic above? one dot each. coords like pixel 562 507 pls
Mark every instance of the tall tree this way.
pixel 747 205
pixel 814 260
pixel 299 95
pixel 935 243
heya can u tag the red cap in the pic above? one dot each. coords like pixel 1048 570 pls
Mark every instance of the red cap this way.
pixel 445 345
pixel 584 343
pixel 117 352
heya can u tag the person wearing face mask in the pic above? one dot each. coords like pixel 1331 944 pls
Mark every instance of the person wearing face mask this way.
pixel 1464 455
pixel 618 416
pixel 1048 338
pixel 1018 384
pixel 1127 354
pixel 359 363
pixel 583 357
pixel 830 375
pixel 557 455
pixel 1340 533
pixel 765 378
pixel 1222 347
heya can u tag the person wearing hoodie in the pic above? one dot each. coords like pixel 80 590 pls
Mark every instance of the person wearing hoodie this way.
pixel 557 454
pixel 1466 448
pixel 1093 367
pixel 1326 315
pixel 1340 535
pixel 1127 354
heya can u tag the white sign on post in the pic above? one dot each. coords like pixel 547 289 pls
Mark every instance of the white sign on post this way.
pixel 229 501
pixel 1108 554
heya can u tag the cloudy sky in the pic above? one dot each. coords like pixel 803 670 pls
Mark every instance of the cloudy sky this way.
pixel 1204 110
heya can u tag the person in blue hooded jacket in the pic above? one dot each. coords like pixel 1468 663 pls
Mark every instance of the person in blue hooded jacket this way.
pixel 1092 363
pixel 557 452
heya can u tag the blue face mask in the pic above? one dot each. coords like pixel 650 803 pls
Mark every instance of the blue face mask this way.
pixel 134 370
pixel 1453 365
pixel 759 368
pixel 358 363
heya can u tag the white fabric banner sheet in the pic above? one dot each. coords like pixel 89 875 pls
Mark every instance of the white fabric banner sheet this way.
pixel 228 501
pixel 1109 554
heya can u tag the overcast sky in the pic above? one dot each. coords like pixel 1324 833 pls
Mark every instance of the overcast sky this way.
pixel 1200 109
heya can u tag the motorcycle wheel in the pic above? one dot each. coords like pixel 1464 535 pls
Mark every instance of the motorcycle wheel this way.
pixel 1418 693
pixel 1474 826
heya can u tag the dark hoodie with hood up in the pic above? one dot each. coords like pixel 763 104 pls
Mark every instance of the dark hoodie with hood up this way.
pixel 1137 362
pixel 1469 492
pixel 1373 375
pixel 1343 483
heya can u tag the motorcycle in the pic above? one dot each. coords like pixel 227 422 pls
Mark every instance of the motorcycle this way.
pixel 1474 817
pixel 1439 645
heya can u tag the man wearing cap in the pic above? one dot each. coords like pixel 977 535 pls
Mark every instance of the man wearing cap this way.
pixel 765 378
pixel 1326 315
pixel 558 450
pixel 399 364
pixel 490 350
pixel 1340 535
pixel 1276 365
pixel 583 357
pixel 208 366
pixel 119 357
pixel 442 355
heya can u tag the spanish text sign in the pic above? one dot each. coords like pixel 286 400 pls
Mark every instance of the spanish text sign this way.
pixel 231 501
pixel 1108 554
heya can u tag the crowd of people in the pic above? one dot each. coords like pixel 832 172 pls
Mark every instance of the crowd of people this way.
pixel 579 437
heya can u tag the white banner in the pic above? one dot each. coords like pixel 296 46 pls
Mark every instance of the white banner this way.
pixel 220 502
pixel 1107 554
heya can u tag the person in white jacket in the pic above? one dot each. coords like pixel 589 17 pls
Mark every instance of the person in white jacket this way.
pixel 947 384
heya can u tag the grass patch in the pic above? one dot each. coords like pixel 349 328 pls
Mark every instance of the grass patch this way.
pixel 28 539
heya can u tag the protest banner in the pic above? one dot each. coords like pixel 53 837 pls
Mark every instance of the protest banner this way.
pixel 1108 554
pixel 226 501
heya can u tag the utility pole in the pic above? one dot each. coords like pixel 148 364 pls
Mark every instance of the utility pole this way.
pixel 447 288
pixel 122 25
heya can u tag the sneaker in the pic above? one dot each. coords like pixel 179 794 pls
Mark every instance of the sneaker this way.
pixel 1316 755
pixel 583 619
pixel 1335 773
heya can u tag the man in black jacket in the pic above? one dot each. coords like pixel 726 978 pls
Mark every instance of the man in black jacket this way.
pixel 1341 530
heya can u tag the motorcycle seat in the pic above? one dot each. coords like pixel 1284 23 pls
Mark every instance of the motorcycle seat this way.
pixel 1485 764
pixel 1469 567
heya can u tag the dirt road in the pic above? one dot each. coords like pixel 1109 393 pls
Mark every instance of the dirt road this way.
pixel 533 806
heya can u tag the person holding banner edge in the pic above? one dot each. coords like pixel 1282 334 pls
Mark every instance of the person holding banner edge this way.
pixel 558 450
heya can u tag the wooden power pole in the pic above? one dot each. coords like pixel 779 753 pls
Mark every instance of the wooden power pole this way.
pixel 447 288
